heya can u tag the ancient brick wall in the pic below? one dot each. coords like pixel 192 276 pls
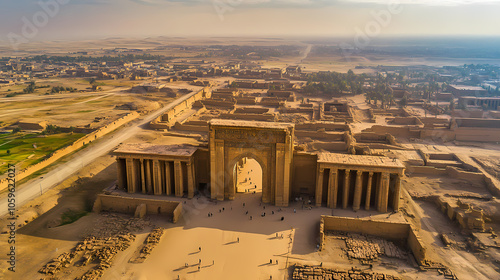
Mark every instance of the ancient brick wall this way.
pixel 128 205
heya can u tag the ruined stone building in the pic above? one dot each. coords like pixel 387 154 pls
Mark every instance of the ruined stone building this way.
pixel 333 180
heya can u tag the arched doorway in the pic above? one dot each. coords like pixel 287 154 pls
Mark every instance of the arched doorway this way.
pixel 270 144
pixel 247 176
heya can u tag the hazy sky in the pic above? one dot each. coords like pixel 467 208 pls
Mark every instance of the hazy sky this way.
pixel 83 19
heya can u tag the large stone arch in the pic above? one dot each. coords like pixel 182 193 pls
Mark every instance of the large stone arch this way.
pixel 271 144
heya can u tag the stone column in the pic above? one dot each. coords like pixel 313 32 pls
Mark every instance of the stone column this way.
pixel 149 183
pixel 319 185
pixel 358 190
pixel 378 186
pixel 156 177
pixel 179 190
pixel 280 174
pixel 168 183
pixel 143 180
pixel 346 188
pixel 384 192
pixel 130 175
pixel 332 189
pixel 369 190
pixel 218 180
pixel 190 178
pixel 397 193
pixel 269 187
pixel 120 173
pixel 288 169
pixel 213 163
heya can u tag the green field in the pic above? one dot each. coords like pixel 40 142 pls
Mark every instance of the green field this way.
pixel 20 148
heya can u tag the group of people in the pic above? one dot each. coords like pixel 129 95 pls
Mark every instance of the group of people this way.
pixel 186 265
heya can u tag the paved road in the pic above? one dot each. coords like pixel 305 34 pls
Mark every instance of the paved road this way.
pixel 33 188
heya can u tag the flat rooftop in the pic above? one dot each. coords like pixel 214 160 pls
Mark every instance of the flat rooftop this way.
pixel 460 87
pixel 251 124
pixel 360 160
pixel 481 98
pixel 151 149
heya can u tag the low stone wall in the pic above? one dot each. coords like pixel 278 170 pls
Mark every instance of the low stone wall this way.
pixel 386 230
pixel 331 146
pixel 190 127
pixel 21 174
pixel 477 134
pixel 218 104
pixel 248 117
pixel 246 100
pixel 477 114
pixel 397 131
pixel 442 156
pixel 406 121
pixel 166 120
pixel 320 135
pixel 297 110
pixel 272 101
pixel 427 170
pixel 380 146
pixel 370 137
pixel 251 110
pixel 435 122
pixel 473 177
pixel 327 126
pixel 132 205
pixel 443 134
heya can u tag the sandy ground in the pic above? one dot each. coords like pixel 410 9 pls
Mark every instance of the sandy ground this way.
pixel 222 256
pixel 82 108
pixel 249 177
pixel 465 264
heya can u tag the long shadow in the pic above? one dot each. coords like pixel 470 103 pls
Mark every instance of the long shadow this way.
pixel 186 267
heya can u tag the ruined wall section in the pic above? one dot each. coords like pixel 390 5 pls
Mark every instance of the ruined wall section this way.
pixel 167 120
pixel 129 205
pixel 387 230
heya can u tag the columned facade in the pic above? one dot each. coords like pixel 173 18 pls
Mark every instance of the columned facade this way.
pixel 356 182
pixel 360 186
pixel 161 173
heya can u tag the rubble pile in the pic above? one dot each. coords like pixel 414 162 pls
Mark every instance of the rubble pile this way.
pixel 64 260
pixel 103 250
pixel 90 249
pixel 150 243
pixel 441 269
pixel 305 272
pixel 111 224
pixel 366 247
